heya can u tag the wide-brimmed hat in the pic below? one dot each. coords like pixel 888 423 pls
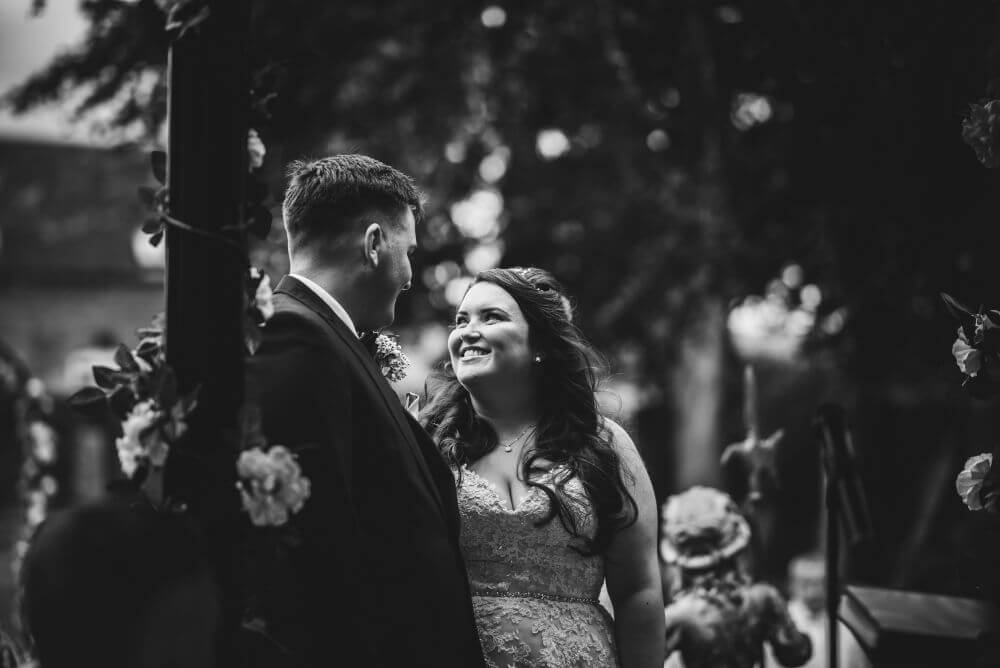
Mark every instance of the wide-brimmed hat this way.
pixel 702 527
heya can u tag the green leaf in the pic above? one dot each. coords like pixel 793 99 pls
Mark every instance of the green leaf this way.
pixel 156 239
pixel 88 399
pixel 187 15
pixel 149 333
pixel 121 401
pixel 152 226
pixel 124 359
pixel 108 378
pixel 148 349
pixel 956 308
pixel 158 161
pixel 147 195
pixel 166 393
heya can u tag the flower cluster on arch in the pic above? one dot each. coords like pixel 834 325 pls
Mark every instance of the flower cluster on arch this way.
pixel 976 350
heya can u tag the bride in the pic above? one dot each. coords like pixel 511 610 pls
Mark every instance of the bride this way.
pixel 554 498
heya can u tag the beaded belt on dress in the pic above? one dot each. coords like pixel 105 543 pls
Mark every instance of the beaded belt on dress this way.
pixel 540 595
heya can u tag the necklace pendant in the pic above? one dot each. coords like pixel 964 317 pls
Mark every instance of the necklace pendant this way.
pixel 508 448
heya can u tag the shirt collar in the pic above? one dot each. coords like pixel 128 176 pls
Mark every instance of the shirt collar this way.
pixel 328 299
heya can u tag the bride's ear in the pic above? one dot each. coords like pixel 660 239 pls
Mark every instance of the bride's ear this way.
pixel 374 240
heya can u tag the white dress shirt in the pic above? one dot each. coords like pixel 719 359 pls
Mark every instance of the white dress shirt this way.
pixel 329 301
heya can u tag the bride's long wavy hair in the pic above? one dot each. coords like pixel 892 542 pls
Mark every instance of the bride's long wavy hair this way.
pixel 570 432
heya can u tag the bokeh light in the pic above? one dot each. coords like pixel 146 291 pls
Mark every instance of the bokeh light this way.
pixel 454 152
pixel 493 16
pixel 750 109
pixel 456 288
pixel 658 140
pixel 146 255
pixel 478 216
pixel 493 167
pixel 484 256
pixel 552 143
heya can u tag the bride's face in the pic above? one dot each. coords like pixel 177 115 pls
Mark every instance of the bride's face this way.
pixel 490 341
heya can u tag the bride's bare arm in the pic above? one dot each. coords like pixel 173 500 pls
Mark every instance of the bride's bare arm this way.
pixel 633 568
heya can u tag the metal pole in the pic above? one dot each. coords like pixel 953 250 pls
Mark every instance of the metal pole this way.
pixel 830 420
pixel 832 562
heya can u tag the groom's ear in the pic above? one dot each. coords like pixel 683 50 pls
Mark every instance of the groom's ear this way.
pixel 374 240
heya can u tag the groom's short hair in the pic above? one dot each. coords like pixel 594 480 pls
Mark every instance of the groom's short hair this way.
pixel 326 197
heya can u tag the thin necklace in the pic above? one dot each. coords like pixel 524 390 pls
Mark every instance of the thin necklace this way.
pixel 509 446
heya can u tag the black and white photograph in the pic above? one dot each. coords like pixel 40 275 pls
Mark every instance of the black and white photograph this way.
pixel 499 334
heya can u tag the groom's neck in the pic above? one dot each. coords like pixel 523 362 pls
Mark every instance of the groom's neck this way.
pixel 339 283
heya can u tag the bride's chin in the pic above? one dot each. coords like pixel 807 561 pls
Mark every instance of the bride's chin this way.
pixel 471 378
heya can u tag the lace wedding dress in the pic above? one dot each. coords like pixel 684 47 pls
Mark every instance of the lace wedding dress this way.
pixel 535 598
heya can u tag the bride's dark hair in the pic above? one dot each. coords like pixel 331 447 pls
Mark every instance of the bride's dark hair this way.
pixel 570 432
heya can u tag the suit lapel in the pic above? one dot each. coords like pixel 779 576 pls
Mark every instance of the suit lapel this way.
pixel 301 293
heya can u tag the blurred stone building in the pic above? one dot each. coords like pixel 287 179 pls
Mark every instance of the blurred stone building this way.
pixel 76 278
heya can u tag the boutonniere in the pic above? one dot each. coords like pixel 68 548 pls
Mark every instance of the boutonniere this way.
pixel 390 358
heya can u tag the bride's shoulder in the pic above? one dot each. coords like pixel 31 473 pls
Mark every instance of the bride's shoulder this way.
pixel 616 435
pixel 623 445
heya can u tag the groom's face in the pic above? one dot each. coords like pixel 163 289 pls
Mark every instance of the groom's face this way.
pixel 394 273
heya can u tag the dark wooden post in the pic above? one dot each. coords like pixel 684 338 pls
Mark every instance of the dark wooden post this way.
pixel 207 167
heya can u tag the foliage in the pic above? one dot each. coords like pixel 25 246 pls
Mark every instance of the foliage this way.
pixel 142 396
pixel 687 125
pixel 977 348
pixel 981 131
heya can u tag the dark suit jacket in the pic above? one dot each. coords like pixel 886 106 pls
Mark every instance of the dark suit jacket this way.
pixel 376 577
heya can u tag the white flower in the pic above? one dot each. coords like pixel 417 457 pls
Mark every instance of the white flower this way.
pixel 391 358
pixel 141 439
pixel 38 503
pixel 43 441
pixel 255 150
pixel 271 485
pixel 969 482
pixel 968 359
pixel 264 298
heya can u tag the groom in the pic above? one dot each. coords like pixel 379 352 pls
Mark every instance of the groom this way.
pixel 376 578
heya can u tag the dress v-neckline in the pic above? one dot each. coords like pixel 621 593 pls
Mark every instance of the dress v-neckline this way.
pixel 497 496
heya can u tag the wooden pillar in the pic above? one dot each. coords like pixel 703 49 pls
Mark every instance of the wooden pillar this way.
pixel 206 171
